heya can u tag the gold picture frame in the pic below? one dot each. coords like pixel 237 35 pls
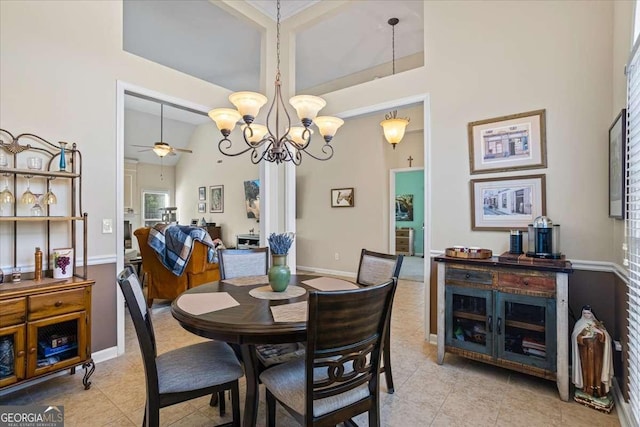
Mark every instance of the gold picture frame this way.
pixel 508 143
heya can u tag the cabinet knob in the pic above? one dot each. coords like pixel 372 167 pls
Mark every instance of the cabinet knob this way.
pixel 32 350
pixel 466 276
pixel 526 282
pixel 58 303
pixel 20 353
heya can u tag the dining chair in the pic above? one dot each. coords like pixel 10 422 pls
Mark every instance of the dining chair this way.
pixel 374 268
pixel 182 374
pixel 339 376
pixel 243 262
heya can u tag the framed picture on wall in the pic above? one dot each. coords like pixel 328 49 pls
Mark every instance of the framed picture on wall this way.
pixel 342 197
pixel 202 193
pixel 508 143
pixel 202 207
pixel 507 203
pixel 617 147
pixel 216 202
pixel 404 207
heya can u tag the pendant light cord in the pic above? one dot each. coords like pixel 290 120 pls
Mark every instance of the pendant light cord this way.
pixel 393 47
pixel 278 42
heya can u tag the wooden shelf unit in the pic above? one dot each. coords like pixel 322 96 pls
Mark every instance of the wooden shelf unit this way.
pixel 46 324
pixel 404 241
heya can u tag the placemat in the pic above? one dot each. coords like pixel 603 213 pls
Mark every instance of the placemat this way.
pixel 296 312
pixel 265 292
pixel 329 284
pixel 247 280
pixel 206 302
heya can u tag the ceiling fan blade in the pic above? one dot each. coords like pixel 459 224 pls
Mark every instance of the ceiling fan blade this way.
pixel 141 146
pixel 146 149
pixel 182 150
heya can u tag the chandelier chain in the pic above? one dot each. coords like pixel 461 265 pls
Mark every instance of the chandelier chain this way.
pixel 278 42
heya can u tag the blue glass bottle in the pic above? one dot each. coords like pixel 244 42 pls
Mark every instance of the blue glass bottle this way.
pixel 63 157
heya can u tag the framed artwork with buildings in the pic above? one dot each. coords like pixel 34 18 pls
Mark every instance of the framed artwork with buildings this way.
pixel 508 143
pixel 617 147
pixel 507 203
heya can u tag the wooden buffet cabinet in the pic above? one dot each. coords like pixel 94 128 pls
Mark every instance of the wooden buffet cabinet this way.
pixel 45 327
pixel 509 314
pixel 45 324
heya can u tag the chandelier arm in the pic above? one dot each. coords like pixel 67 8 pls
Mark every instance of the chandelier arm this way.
pixel 326 148
pixel 254 145
pixel 225 150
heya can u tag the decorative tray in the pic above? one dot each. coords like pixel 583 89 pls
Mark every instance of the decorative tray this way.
pixel 471 253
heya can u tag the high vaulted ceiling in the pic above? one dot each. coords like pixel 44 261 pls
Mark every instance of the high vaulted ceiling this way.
pixel 205 39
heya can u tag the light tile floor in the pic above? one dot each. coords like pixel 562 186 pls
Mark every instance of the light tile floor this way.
pixel 458 393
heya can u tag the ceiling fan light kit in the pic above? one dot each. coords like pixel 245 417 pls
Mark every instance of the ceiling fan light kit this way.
pixel 275 147
pixel 161 148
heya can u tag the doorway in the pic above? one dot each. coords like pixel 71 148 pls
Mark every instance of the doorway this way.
pixel 407 201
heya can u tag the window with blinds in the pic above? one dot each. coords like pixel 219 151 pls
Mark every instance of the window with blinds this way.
pixel 633 226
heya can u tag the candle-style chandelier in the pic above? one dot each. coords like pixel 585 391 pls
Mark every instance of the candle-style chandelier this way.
pixel 261 140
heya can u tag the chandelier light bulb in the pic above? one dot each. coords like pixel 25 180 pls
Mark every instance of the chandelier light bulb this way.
pixel 161 149
pixel 307 107
pixel 295 133
pixel 225 118
pixel 328 126
pixel 259 131
pixel 248 104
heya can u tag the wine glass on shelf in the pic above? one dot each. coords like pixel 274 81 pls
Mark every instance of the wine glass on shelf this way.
pixel 49 197
pixel 6 196
pixel 28 197
pixel 36 209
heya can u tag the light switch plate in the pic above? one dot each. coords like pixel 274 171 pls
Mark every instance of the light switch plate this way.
pixel 107 226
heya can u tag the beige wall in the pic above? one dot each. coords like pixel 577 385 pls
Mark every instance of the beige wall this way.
pixel 60 62
pixel 487 71
pixel 207 167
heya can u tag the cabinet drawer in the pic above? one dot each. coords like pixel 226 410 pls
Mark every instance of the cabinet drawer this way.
pixel 12 311
pixel 55 303
pixel 468 276
pixel 526 281
pixel 403 232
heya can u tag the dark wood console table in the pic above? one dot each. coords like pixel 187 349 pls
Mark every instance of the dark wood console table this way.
pixel 507 313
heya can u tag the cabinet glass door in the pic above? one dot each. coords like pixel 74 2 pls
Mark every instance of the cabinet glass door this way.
pixel 468 319
pixel 56 342
pixel 12 340
pixel 525 329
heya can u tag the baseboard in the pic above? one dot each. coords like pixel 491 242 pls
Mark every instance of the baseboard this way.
pixel 433 338
pixel 104 355
pixel 325 271
pixel 623 408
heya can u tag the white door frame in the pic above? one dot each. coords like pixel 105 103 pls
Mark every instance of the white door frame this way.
pixel 392 200
pixel 121 88
pixel 423 99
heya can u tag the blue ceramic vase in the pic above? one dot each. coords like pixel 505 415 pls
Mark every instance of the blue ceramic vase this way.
pixel 279 273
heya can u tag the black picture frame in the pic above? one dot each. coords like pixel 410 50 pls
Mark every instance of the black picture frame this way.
pixel 617 166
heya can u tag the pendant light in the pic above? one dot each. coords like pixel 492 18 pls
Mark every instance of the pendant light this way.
pixel 392 125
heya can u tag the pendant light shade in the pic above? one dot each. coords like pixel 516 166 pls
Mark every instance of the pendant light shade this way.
pixel 394 130
pixel 225 118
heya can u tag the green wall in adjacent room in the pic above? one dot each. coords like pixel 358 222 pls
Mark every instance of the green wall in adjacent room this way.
pixel 412 182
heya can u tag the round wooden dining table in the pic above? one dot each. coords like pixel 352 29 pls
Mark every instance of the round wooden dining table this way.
pixel 244 325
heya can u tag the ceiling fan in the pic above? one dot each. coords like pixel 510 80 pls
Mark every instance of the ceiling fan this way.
pixel 161 148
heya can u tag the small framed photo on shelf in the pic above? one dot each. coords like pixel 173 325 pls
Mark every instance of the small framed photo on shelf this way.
pixel 202 208
pixel 617 147
pixel 194 222
pixel 507 203
pixel 342 197
pixel 216 202
pixel 508 143
pixel 202 193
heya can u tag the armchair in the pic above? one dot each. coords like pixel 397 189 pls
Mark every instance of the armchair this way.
pixel 162 283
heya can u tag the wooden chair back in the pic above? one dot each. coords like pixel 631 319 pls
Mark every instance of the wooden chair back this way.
pixel 344 340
